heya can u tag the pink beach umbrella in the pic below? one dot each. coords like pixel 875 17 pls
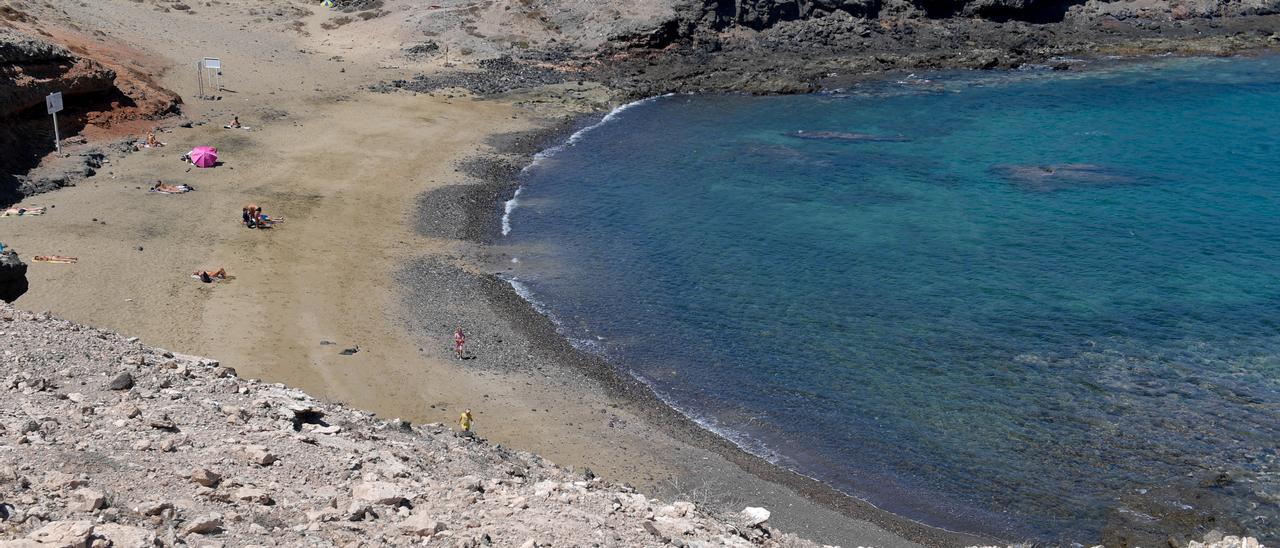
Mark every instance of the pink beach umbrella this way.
pixel 203 156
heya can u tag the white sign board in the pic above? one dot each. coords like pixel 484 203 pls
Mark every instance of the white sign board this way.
pixel 212 63
pixel 54 102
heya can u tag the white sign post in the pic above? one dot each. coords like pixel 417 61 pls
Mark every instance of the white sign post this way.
pixel 53 103
pixel 208 72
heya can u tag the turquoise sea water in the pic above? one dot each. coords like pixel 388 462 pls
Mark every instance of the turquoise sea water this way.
pixel 1057 293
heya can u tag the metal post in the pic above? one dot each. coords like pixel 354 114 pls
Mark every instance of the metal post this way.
pixel 57 140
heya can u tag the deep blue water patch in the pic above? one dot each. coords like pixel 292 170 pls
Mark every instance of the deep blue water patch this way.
pixel 1007 303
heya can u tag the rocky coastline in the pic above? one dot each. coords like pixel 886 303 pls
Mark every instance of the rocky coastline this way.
pixel 716 46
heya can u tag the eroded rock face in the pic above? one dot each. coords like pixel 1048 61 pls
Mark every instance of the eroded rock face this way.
pixel 31 69
pixel 99 88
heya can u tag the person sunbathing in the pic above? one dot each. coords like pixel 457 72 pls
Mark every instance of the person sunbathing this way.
pixel 235 123
pixel 60 259
pixel 22 211
pixel 208 276
pixel 169 189
pixel 152 141
pixel 265 221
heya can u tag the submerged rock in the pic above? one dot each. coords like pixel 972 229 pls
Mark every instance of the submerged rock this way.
pixel 1048 178
pixel 847 136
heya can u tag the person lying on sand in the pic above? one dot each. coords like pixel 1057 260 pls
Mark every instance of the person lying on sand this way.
pixel 22 211
pixel 265 221
pixel 208 276
pixel 59 259
pixel 170 189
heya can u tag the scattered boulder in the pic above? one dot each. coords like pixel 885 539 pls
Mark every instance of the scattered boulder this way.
pixel 669 529
pixel 254 495
pixel 123 381
pixel 378 492
pixel 163 422
pixel 258 455
pixel 87 500
pixel 124 536
pixel 128 410
pixel 205 477
pixel 204 525
pixel 422 525
pixel 64 534
pixel 57 481
pixel 753 516
pixel 153 508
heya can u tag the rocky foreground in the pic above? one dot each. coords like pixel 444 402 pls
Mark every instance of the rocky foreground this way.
pixel 105 441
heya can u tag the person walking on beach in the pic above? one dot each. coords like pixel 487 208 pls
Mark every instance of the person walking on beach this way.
pixel 458 340
pixel 464 420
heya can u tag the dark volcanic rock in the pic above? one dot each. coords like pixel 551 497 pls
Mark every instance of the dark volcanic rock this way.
pixel 1048 178
pixel 60 172
pixel 12 269
pixel 495 76
pixel 123 381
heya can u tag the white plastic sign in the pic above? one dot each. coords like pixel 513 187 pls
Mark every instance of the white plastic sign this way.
pixel 54 102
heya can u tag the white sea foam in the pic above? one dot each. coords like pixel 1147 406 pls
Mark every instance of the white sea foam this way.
pixel 524 293
pixel 507 208
pixel 582 344
pixel 542 156
pixel 739 439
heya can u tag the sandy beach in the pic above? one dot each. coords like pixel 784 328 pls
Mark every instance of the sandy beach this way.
pixel 355 174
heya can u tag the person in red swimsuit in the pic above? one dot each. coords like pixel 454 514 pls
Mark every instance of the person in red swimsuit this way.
pixel 458 340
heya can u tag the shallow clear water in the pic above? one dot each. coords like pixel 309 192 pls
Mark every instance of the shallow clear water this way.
pixel 940 325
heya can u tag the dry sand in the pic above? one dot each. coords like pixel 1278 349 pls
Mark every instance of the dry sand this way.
pixel 344 167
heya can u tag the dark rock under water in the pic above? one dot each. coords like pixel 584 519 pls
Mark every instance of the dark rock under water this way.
pixel 847 136
pixel 1048 178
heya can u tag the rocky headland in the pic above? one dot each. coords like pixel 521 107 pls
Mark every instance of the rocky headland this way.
pixel 794 46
